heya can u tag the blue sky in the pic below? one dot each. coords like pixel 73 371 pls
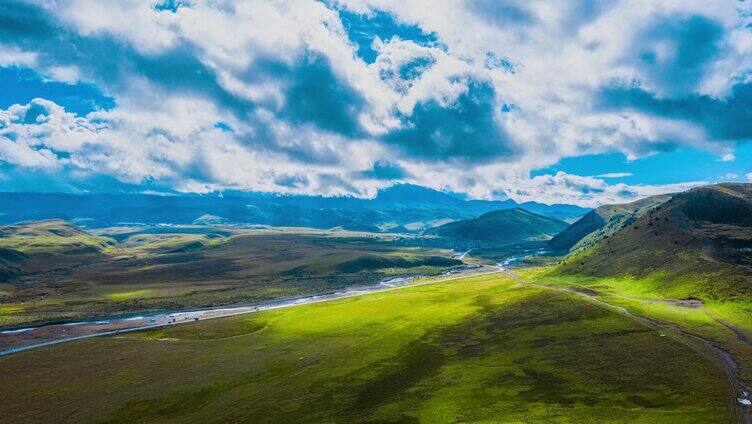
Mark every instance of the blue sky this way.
pixel 662 168
pixel 584 102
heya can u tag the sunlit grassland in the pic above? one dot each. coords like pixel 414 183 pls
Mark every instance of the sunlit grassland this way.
pixel 10 309
pixel 641 296
pixel 127 295
pixel 739 312
pixel 482 349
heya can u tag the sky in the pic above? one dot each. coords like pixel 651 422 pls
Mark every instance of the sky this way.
pixel 584 101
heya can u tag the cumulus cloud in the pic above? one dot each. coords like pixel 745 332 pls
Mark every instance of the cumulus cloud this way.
pixel 585 191
pixel 343 97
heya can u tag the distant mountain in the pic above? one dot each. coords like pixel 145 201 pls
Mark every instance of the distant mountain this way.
pixel 602 222
pixel 401 207
pixel 502 227
pixel 412 194
pixel 696 244
pixel 564 212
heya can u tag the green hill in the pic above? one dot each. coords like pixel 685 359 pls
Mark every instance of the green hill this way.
pixel 50 236
pixel 502 227
pixel 602 222
pixel 698 244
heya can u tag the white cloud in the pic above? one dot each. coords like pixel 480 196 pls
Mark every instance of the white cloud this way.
pixel 749 177
pixel 16 57
pixel 585 191
pixel 561 54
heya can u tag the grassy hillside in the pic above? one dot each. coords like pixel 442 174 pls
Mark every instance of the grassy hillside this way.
pixel 502 227
pixel 687 262
pixel 476 350
pixel 381 262
pixel 52 236
pixel 602 222
pixel 696 245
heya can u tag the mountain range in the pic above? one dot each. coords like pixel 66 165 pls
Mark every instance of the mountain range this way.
pixel 403 207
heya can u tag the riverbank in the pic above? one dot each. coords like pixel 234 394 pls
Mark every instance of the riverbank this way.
pixel 20 339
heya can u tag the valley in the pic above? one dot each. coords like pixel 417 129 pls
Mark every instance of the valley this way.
pixel 475 349
pixel 375 212
pixel 641 312
pixel 43 335
pixel 62 273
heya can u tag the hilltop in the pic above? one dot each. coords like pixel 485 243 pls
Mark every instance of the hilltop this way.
pixel 602 222
pixel 502 227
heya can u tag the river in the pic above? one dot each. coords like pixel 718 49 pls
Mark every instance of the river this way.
pixel 14 340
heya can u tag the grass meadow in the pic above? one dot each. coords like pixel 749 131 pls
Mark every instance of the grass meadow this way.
pixel 483 349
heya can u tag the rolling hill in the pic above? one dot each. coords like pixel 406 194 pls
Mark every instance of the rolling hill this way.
pixel 50 236
pixel 602 222
pixel 698 244
pixel 502 227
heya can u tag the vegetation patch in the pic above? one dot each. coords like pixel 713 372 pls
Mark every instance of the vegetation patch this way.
pixel 133 294
pixel 11 309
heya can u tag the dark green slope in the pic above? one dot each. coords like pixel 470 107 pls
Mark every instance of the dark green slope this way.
pixel 9 260
pixel 697 244
pixel 602 222
pixel 502 227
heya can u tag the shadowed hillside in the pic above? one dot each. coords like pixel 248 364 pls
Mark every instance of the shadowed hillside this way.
pixel 502 227
pixel 602 222
pixel 9 260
